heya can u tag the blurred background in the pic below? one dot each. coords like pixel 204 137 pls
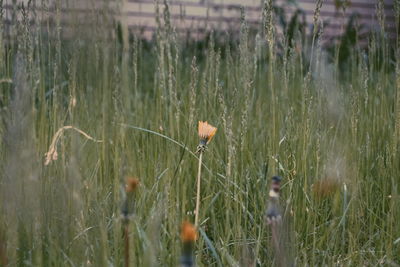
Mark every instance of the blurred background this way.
pixel 196 18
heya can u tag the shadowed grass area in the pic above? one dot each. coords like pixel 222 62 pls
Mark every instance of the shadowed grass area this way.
pixel 330 129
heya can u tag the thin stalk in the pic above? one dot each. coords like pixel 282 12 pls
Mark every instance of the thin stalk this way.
pixel 3 250
pixel 196 220
pixel 126 240
pixel 280 258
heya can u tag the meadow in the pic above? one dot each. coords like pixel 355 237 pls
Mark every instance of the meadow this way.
pixel 326 120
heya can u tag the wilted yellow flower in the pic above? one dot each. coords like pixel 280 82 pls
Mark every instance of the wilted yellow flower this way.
pixel 188 232
pixel 131 184
pixel 206 132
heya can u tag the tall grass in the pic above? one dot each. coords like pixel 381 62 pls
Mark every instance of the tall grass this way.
pixel 278 111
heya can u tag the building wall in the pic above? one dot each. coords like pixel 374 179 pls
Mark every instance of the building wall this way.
pixel 197 17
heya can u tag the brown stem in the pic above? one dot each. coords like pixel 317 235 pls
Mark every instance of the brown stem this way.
pixel 280 259
pixel 126 239
pixel 3 254
pixel 197 211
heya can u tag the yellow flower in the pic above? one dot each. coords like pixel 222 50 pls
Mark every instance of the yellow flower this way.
pixel 206 132
pixel 188 232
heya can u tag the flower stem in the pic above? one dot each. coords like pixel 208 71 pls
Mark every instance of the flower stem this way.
pixel 126 241
pixel 197 211
pixel 276 242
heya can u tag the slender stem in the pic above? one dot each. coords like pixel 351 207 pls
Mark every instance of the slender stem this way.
pixel 126 239
pixel 280 258
pixel 3 249
pixel 197 211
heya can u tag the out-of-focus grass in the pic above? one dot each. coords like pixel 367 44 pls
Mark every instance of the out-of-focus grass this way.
pixel 277 112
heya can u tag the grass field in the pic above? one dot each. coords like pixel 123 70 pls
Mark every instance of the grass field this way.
pixel 327 121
